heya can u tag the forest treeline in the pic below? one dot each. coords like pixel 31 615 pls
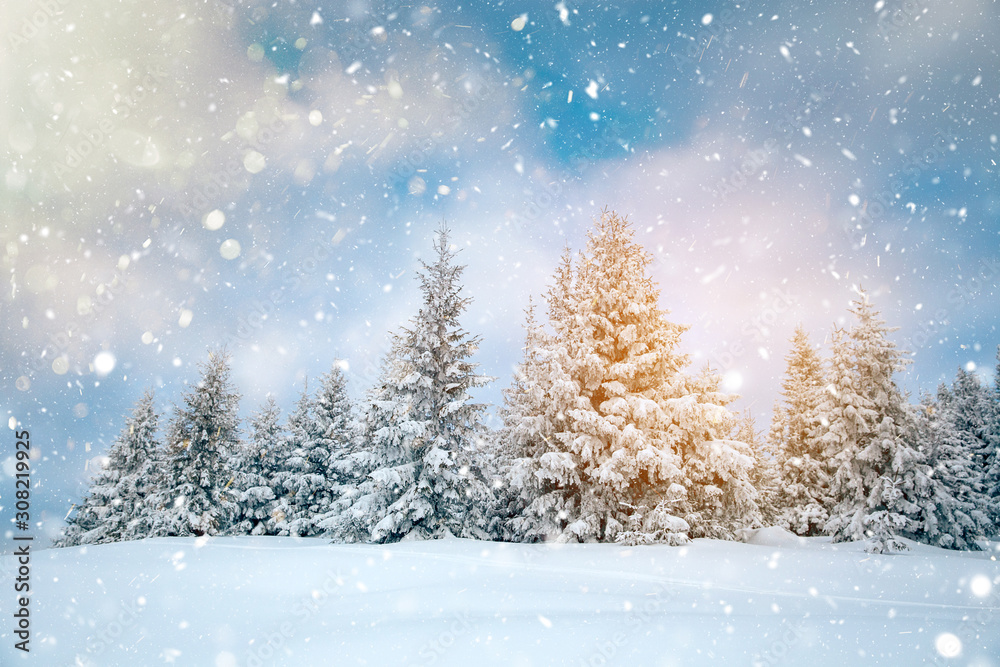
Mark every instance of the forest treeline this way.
pixel 605 437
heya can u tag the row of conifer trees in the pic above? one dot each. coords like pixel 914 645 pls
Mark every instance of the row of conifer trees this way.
pixel 605 437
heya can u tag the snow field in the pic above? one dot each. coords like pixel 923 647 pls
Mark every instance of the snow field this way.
pixel 253 601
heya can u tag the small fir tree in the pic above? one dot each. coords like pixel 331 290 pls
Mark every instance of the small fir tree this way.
pixel 114 508
pixel 196 498
pixel 254 468
pixel 803 497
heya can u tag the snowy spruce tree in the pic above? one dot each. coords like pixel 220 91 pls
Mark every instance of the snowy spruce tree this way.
pixel 114 508
pixel 973 410
pixel 957 513
pixel 543 481
pixel 992 467
pixel 196 498
pixel 764 476
pixel 425 435
pixel 803 498
pixel 321 434
pixel 337 437
pixel 337 429
pixel 302 478
pixel 718 471
pixel 617 442
pixel 882 482
pixel 534 411
pixel 254 467
pixel 382 465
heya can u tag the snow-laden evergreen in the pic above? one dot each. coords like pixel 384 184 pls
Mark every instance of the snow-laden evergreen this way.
pixel 448 495
pixel 973 410
pixel 253 468
pixel 764 476
pixel 302 478
pixel 535 497
pixel 383 464
pixel 882 479
pixel 992 464
pixel 544 481
pixel 196 498
pixel 337 429
pixel 617 443
pixel 114 508
pixel 514 439
pixel 314 476
pixel 803 497
pixel 721 500
pixel 337 437
pixel 424 435
pixel 956 515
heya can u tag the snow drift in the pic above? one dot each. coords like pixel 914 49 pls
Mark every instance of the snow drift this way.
pixel 249 601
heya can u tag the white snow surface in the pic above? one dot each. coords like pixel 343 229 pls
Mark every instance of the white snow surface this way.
pixel 229 601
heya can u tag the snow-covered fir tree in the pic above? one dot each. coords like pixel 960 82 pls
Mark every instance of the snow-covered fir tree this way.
pixel 955 512
pixel 337 436
pixel 618 442
pixel 721 498
pixel 846 417
pixel 803 498
pixel 254 467
pixel 114 508
pixel 196 498
pixel 303 477
pixel 383 464
pixel 544 481
pixel 425 433
pixel 992 467
pixel 336 428
pixel 881 479
pixel 974 407
pixel 973 410
pixel 764 476
pixel 533 411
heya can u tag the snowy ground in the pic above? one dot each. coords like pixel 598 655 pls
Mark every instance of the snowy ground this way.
pixel 281 601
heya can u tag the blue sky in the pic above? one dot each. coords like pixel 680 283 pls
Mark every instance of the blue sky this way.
pixel 175 172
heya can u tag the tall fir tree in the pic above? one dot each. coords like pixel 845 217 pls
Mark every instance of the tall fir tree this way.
pixel 114 508
pixel 544 478
pixel 973 404
pixel 313 476
pixel 254 467
pixel 512 440
pixel 803 497
pixel 618 442
pixel 882 480
pixel 449 492
pixel 722 500
pixel 203 433
pixel 427 434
